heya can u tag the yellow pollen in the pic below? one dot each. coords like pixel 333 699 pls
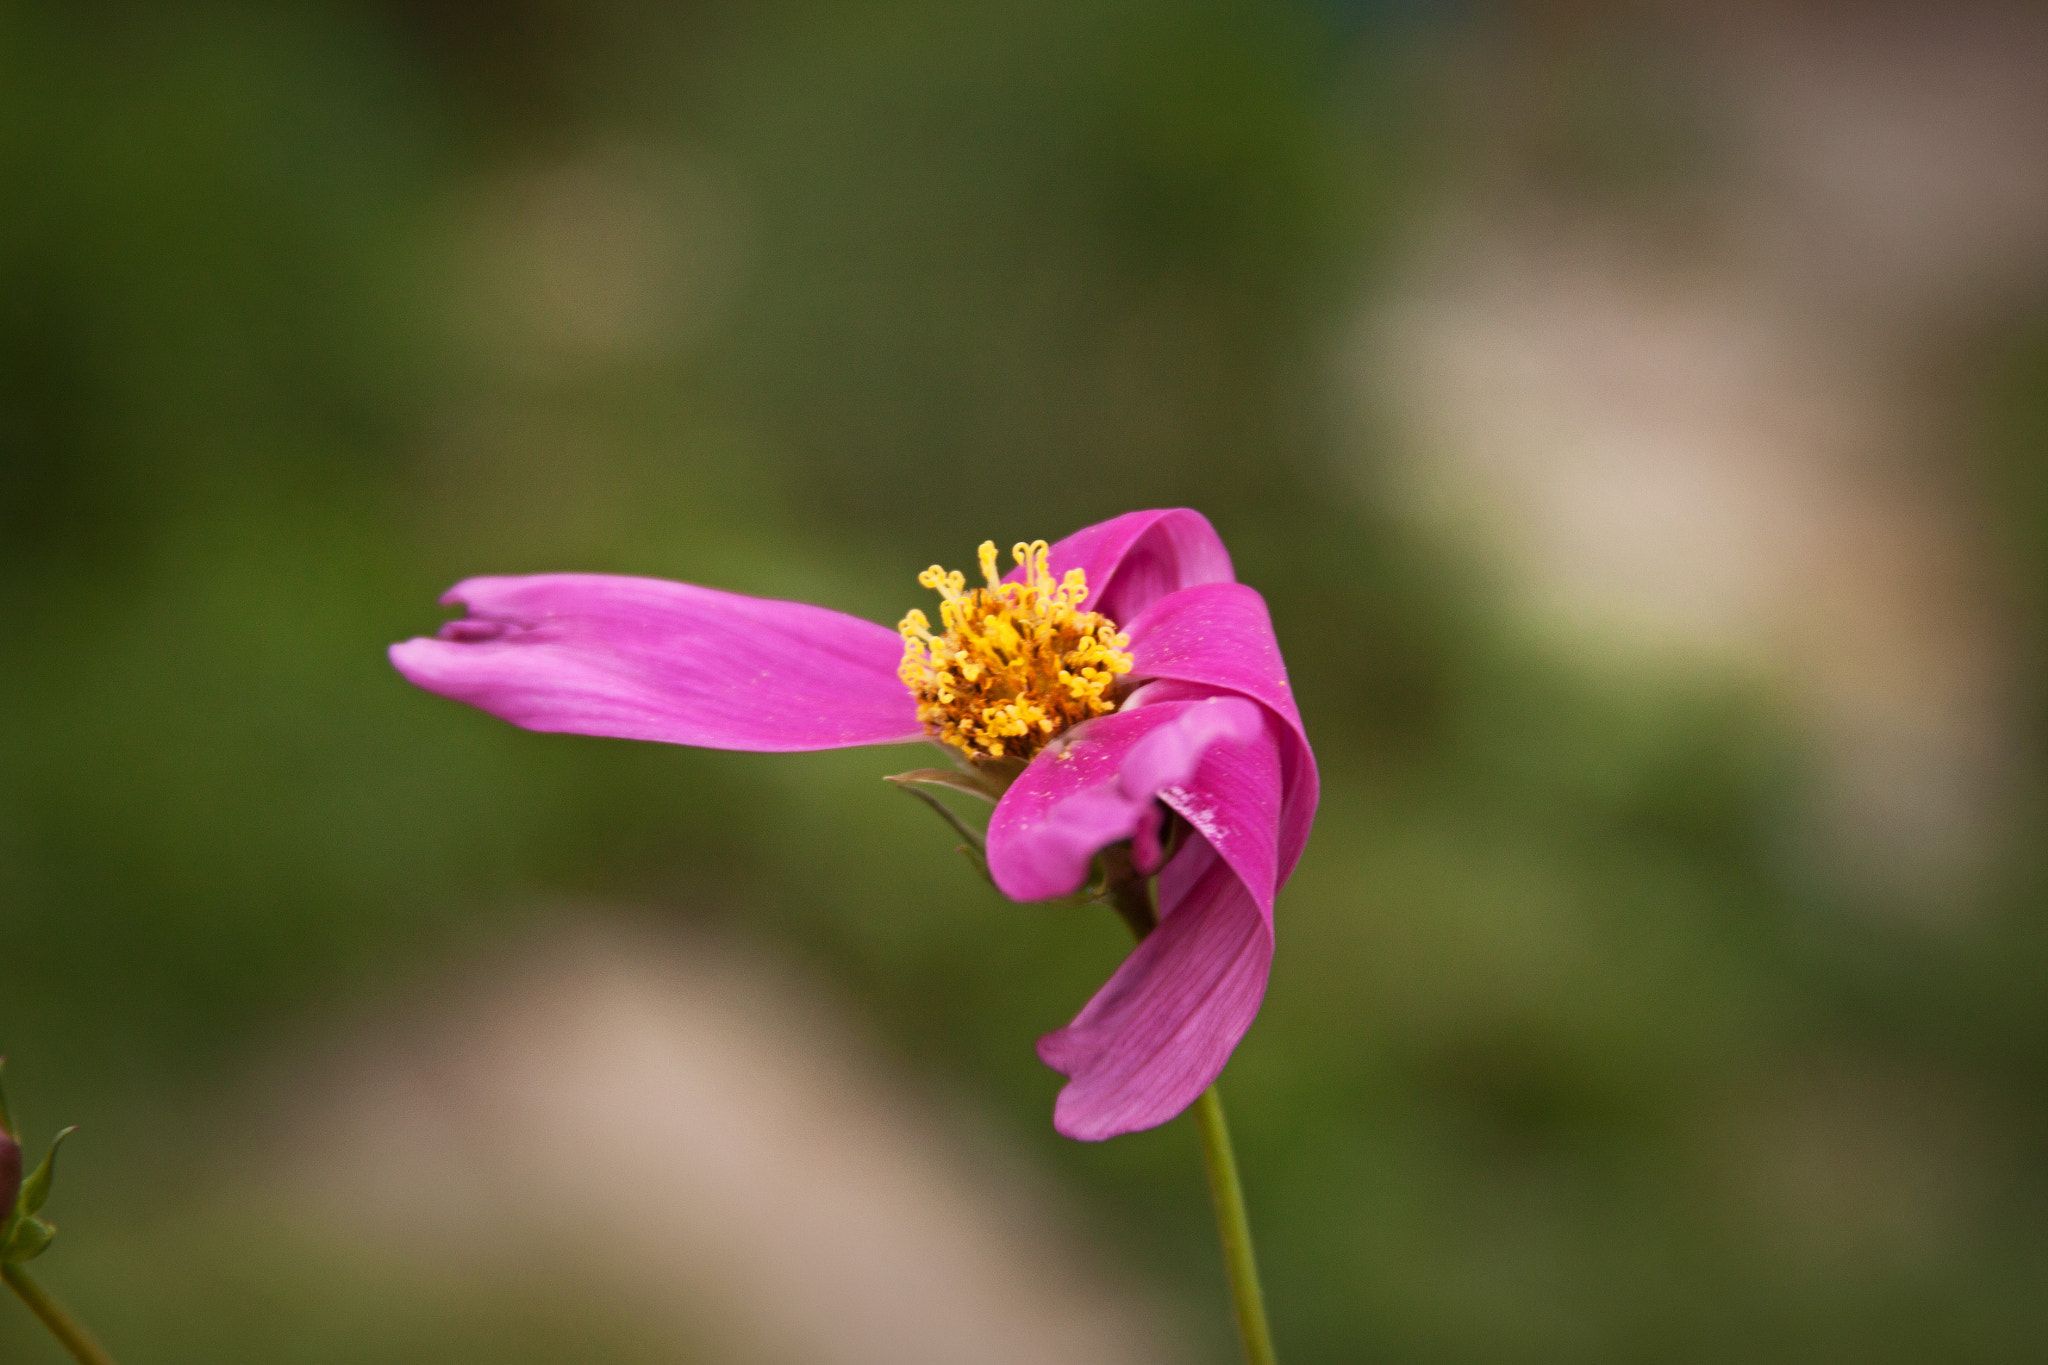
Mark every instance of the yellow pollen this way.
pixel 1017 662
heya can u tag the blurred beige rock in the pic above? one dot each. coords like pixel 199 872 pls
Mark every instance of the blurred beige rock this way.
pixel 690 1126
pixel 1713 421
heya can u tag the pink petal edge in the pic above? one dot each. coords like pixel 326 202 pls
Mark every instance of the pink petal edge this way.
pixel 644 658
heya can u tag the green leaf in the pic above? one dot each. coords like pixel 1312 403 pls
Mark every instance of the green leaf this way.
pixel 30 1239
pixel 36 1188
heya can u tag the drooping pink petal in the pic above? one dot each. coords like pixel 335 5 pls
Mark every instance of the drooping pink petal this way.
pixel 1097 786
pixel 643 658
pixel 1162 1028
pixel 1135 559
pixel 1219 635
pixel 1166 1022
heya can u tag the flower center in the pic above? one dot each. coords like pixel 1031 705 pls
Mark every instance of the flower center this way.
pixel 1017 662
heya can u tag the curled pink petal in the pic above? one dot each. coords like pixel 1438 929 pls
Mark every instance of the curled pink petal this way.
pixel 1133 560
pixel 1164 1025
pixel 1233 800
pixel 1219 636
pixel 1098 787
pixel 643 658
pixel 1161 1029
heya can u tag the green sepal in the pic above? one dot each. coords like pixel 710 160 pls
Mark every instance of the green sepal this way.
pixel 908 782
pixel 978 861
pixel 31 1238
pixel 36 1189
pixel 970 784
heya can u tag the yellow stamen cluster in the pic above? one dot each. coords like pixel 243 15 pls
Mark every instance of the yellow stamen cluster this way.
pixel 1017 662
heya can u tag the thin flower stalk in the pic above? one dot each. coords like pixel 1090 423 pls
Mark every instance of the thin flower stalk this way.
pixel 71 1335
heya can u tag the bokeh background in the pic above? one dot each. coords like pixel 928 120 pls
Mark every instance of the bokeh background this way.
pixel 1635 416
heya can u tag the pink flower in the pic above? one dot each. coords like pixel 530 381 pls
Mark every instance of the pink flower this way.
pixel 10 1174
pixel 1166 694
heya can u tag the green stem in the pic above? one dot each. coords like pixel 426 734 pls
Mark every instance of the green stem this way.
pixel 1128 891
pixel 1247 1300
pixel 1131 895
pixel 74 1338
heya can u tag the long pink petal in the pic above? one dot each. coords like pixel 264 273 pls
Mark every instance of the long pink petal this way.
pixel 1219 635
pixel 1135 559
pixel 1211 758
pixel 643 658
pixel 1159 1032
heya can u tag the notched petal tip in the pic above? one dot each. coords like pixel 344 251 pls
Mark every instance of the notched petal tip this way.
pixel 641 658
pixel 470 630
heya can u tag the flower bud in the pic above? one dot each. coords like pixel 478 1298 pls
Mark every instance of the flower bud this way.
pixel 27 1235
pixel 10 1174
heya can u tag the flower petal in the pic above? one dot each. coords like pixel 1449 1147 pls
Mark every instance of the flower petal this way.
pixel 643 658
pixel 1166 1022
pixel 1219 635
pixel 1097 786
pixel 1234 802
pixel 1137 558
pixel 1161 1029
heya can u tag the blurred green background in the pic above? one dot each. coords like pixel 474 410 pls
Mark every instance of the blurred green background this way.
pixel 1598 1031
